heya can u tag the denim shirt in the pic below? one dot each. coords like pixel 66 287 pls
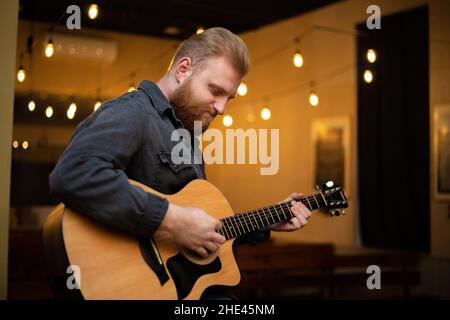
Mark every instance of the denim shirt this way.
pixel 128 137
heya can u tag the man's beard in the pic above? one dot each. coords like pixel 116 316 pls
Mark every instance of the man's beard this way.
pixel 187 109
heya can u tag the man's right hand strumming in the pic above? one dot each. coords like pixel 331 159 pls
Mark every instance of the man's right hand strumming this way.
pixel 193 228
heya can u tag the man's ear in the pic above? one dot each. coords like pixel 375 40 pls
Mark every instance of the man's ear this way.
pixel 183 69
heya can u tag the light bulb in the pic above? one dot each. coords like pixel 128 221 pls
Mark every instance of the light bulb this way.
pixel 265 113
pixel 368 76
pixel 25 145
pixel 298 60
pixel 49 112
pixel 31 105
pixel 97 105
pixel 242 89
pixel 131 88
pixel 93 11
pixel 371 55
pixel 49 49
pixel 72 107
pixel 313 99
pixel 21 74
pixel 200 30
pixel 70 114
pixel 15 144
pixel 227 121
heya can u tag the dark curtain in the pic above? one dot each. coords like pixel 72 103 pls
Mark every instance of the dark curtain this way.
pixel 393 133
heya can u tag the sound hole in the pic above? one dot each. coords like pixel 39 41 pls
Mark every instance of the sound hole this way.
pixel 185 273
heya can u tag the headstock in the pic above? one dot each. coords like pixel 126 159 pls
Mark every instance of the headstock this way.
pixel 335 198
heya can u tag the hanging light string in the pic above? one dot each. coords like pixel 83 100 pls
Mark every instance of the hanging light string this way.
pixel 306 84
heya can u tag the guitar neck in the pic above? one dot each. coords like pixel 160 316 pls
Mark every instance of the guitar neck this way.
pixel 259 219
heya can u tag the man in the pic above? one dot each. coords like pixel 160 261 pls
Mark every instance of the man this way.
pixel 129 137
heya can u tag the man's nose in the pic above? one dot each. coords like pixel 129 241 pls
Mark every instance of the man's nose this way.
pixel 219 106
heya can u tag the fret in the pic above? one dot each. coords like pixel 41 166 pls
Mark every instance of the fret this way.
pixel 252 221
pixel 237 220
pixel 318 206
pixel 224 230
pixel 310 206
pixel 324 200
pixel 260 218
pixel 248 222
pixel 230 227
pixel 270 215
pixel 288 208
pixel 256 219
pixel 268 223
pixel 278 215
pixel 236 225
pixel 282 210
pixel 245 221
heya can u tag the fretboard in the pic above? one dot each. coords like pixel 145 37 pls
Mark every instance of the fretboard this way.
pixel 259 219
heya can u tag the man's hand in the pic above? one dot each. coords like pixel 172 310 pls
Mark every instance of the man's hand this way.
pixel 301 213
pixel 193 228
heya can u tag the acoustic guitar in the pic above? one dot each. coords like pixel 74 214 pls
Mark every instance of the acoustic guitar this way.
pixel 91 261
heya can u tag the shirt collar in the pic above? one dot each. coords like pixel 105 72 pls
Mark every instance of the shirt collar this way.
pixel 159 100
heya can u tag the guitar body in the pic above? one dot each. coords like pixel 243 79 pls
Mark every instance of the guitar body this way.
pixel 112 265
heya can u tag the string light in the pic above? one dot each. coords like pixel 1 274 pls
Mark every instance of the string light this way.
pixel 21 71
pixel 298 60
pixel 97 105
pixel 242 89
pixel 251 117
pixel 200 30
pixel 298 56
pixel 371 55
pixel 265 113
pixel 49 48
pixel 131 88
pixel 49 112
pixel 21 74
pixel 15 144
pixel 93 11
pixel 227 121
pixel 31 105
pixel 313 97
pixel 368 76
pixel 25 145
pixel 71 110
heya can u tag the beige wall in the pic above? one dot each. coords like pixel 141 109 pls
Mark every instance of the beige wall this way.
pixel 325 54
pixel 8 35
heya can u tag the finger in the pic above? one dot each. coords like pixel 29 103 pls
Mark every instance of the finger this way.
pixel 306 212
pixel 295 223
pixel 297 195
pixel 218 225
pixel 202 252
pixel 211 246
pixel 217 238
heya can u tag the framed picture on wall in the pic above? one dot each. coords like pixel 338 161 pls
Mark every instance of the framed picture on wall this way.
pixel 441 152
pixel 330 154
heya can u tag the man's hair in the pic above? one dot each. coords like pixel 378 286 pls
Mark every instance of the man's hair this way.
pixel 214 42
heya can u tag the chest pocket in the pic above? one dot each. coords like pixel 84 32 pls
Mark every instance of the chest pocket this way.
pixel 172 177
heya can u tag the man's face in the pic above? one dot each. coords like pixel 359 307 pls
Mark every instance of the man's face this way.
pixel 203 95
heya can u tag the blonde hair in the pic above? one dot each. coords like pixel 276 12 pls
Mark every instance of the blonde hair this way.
pixel 214 42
